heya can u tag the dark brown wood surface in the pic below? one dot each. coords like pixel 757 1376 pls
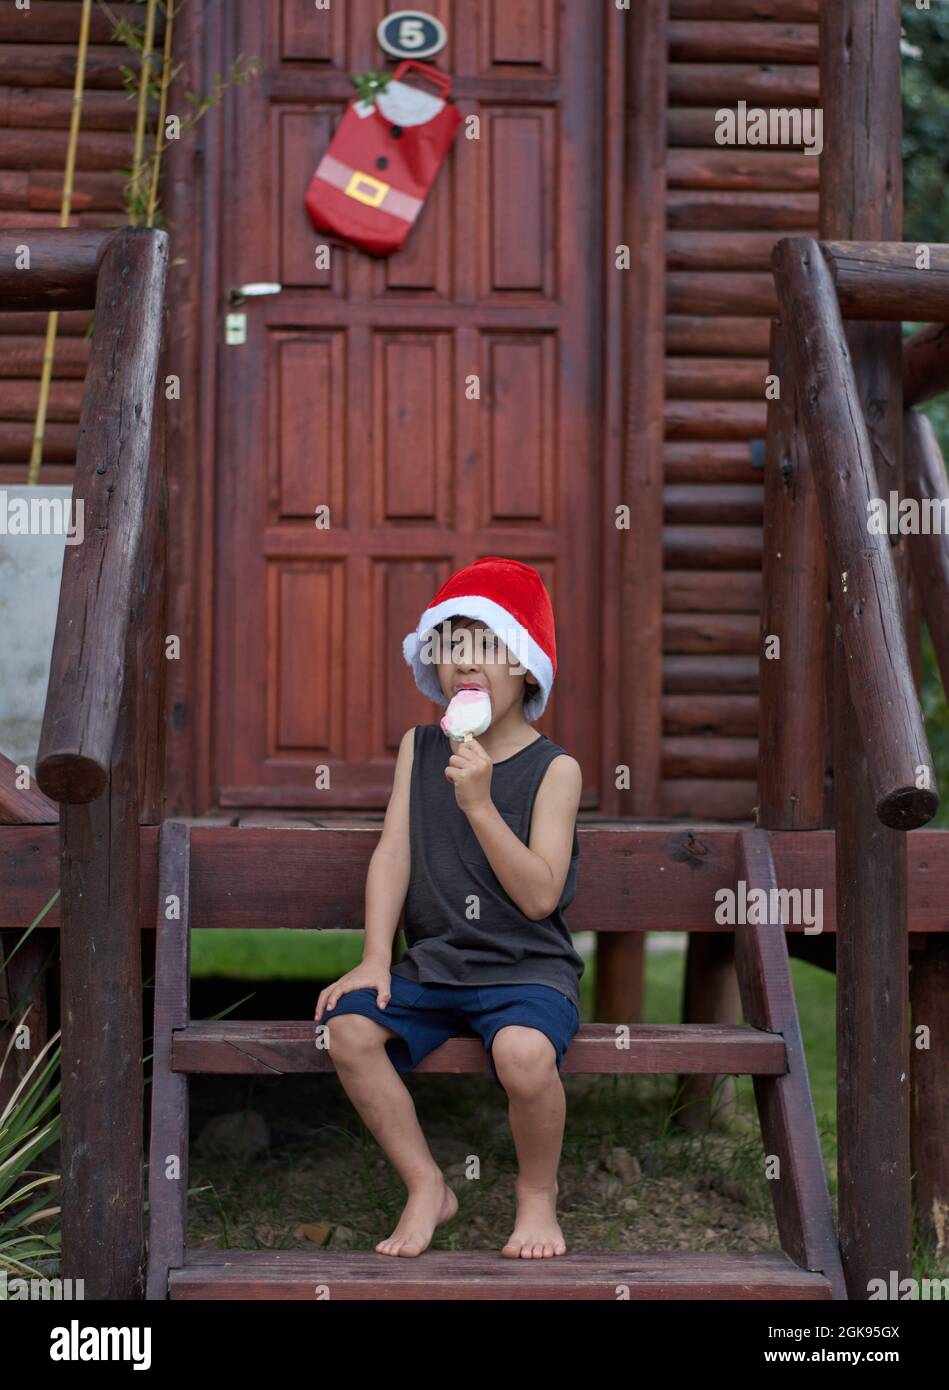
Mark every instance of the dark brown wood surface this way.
pixel 103 1083
pixel 20 806
pixel 642 559
pixel 928 486
pixel 463 1275
pixel 861 199
pixel 885 281
pixel 788 1123
pixel 863 582
pixel 86 667
pixel 169 1139
pixel 794 583
pixel 266 1048
pixel 62 269
pixel 324 868
pixel 784 11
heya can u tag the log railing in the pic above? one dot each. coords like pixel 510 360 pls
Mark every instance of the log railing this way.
pixel 820 413
pixel 863 581
pixel 88 759
pixel 826 459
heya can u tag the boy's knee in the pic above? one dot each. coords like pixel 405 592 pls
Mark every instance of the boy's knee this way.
pixel 352 1034
pixel 523 1056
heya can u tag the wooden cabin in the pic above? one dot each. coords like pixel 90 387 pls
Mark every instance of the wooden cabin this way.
pixel 624 286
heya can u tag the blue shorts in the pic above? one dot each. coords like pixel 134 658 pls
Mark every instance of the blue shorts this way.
pixel 425 1016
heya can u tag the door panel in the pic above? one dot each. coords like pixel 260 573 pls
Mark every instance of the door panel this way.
pixel 350 394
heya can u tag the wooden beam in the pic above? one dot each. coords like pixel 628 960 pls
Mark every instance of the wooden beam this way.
pixel 927 485
pixel 794 613
pixel 86 668
pixel 708 84
pixel 324 869
pixel 61 271
pixel 23 806
pixel 712 39
pixel 168 1188
pixel 642 557
pixel 620 965
pixel 783 11
pixel 103 1084
pixel 866 596
pixel 884 280
pixel 785 1106
pixel 861 198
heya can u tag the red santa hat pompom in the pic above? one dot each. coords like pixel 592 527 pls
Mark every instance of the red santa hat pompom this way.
pixel 510 598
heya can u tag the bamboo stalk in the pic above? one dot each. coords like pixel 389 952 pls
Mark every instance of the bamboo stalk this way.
pixel 141 118
pixel 162 107
pixel 52 323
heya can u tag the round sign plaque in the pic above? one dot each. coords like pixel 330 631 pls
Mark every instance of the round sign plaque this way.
pixel 411 34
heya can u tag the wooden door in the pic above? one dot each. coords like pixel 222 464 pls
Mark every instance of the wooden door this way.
pixel 350 392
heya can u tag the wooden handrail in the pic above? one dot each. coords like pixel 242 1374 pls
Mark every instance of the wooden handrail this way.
pixel 26 807
pixel 864 587
pixel 87 665
pixel 884 280
pixel 62 270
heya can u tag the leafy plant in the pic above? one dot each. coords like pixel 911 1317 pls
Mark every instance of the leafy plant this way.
pixel 29 1126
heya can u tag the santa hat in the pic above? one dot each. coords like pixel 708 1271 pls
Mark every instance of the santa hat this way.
pixel 508 597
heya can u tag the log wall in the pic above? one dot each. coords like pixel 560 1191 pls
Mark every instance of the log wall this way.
pixel 37 71
pixel 726 206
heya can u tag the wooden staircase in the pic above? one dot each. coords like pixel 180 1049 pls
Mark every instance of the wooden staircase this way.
pixel 768 1048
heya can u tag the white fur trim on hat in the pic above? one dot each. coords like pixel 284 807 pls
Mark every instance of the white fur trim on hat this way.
pixel 521 645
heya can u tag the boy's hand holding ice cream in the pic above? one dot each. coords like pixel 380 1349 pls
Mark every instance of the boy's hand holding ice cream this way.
pixel 469 767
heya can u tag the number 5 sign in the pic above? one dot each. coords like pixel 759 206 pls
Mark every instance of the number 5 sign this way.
pixel 411 34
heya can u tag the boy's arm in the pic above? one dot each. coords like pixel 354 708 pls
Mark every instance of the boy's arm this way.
pixel 387 881
pixel 534 875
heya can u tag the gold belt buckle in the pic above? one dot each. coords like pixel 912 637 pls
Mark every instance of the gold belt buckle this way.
pixel 356 188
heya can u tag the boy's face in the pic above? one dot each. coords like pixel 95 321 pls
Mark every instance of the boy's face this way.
pixel 473 654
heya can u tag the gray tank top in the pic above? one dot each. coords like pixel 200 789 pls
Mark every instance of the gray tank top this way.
pixel 445 943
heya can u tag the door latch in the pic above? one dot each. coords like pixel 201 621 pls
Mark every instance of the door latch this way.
pixel 237 293
pixel 235 324
pixel 235 330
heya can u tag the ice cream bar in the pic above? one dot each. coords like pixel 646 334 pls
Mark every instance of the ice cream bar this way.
pixel 469 713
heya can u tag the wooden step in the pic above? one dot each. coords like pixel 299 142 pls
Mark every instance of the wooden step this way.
pixel 484 1274
pixel 277 1047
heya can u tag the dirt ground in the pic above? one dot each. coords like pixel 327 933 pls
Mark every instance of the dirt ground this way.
pixel 286 1163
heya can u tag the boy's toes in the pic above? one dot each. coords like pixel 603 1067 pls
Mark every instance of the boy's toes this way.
pixel 529 1249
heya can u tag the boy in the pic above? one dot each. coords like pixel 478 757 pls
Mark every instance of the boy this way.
pixel 479 843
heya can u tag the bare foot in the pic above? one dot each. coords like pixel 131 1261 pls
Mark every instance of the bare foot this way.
pixel 537 1234
pixel 429 1205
